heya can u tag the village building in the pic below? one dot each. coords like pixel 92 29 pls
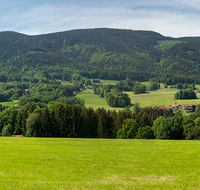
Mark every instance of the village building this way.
pixel 190 108
pixel 163 107
pixel 174 106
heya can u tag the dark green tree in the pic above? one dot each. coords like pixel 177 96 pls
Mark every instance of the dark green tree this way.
pixel 129 129
pixel 46 126
pixel 23 122
pixel 18 127
pixel 139 88
pixel 145 132
pixel 169 128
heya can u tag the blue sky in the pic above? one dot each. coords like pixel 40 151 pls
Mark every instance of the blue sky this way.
pixel 175 18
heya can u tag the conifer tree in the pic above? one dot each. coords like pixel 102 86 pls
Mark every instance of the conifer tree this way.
pixel 59 121
pixel 18 122
pixel 32 108
pixel 23 122
pixel 75 119
pixel 46 127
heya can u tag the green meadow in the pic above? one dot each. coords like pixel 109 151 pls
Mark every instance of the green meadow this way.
pixel 61 163
pixel 159 98
pixel 150 98
pixel 95 101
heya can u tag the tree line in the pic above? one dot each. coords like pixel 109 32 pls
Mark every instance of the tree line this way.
pixel 63 120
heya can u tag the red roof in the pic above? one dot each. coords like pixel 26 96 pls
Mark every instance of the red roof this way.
pixel 175 105
pixel 163 107
pixel 17 136
pixel 187 105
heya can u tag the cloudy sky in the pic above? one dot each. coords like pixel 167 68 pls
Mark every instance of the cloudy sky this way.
pixel 175 18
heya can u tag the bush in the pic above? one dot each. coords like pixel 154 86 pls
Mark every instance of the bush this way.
pixel 129 129
pixel 193 133
pixel 169 128
pixel 28 134
pixel 139 88
pixel 6 131
pixel 145 133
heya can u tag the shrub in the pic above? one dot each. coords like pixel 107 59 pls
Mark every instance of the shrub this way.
pixel 145 133
pixel 129 129
pixel 169 128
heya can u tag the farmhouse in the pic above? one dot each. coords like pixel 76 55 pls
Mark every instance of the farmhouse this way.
pixel 190 108
pixel 17 136
pixel 174 106
pixel 163 107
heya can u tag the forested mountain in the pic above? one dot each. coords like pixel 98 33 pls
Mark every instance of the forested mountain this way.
pixel 99 53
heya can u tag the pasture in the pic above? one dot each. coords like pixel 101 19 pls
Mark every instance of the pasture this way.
pixel 159 98
pixel 55 163
pixel 150 98
pixel 95 101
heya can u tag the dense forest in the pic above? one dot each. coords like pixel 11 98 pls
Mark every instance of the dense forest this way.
pixel 63 120
pixel 99 53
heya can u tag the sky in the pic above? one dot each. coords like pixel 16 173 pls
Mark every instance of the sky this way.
pixel 174 18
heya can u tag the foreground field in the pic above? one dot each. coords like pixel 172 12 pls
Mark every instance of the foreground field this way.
pixel 36 163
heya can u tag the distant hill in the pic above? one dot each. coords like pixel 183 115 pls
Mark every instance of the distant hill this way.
pixel 99 53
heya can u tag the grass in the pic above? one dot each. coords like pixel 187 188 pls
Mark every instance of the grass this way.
pixel 159 98
pixel 95 101
pixel 111 82
pixel 151 98
pixel 165 45
pixel 36 163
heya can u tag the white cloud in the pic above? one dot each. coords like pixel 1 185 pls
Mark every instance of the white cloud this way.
pixel 138 16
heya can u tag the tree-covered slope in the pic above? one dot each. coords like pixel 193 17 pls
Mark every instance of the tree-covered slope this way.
pixel 103 53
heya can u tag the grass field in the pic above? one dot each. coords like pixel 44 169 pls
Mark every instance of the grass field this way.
pixel 36 163
pixel 151 98
pixel 159 98
pixel 95 101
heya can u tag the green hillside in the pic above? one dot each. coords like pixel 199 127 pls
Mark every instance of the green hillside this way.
pixel 98 53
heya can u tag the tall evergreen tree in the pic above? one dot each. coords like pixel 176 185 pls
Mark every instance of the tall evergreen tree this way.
pixel 23 122
pixel 75 119
pixel 88 123
pixel 59 121
pixel 46 127
pixel 32 108
pixel 18 122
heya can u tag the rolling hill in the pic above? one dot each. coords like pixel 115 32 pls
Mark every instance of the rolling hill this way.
pixel 99 53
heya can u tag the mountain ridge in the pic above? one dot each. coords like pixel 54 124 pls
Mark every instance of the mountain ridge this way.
pixel 98 53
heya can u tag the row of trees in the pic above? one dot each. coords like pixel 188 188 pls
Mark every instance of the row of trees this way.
pixel 172 127
pixel 63 120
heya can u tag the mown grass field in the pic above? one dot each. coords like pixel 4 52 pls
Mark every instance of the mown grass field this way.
pixel 95 101
pixel 159 98
pixel 53 163
pixel 151 98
